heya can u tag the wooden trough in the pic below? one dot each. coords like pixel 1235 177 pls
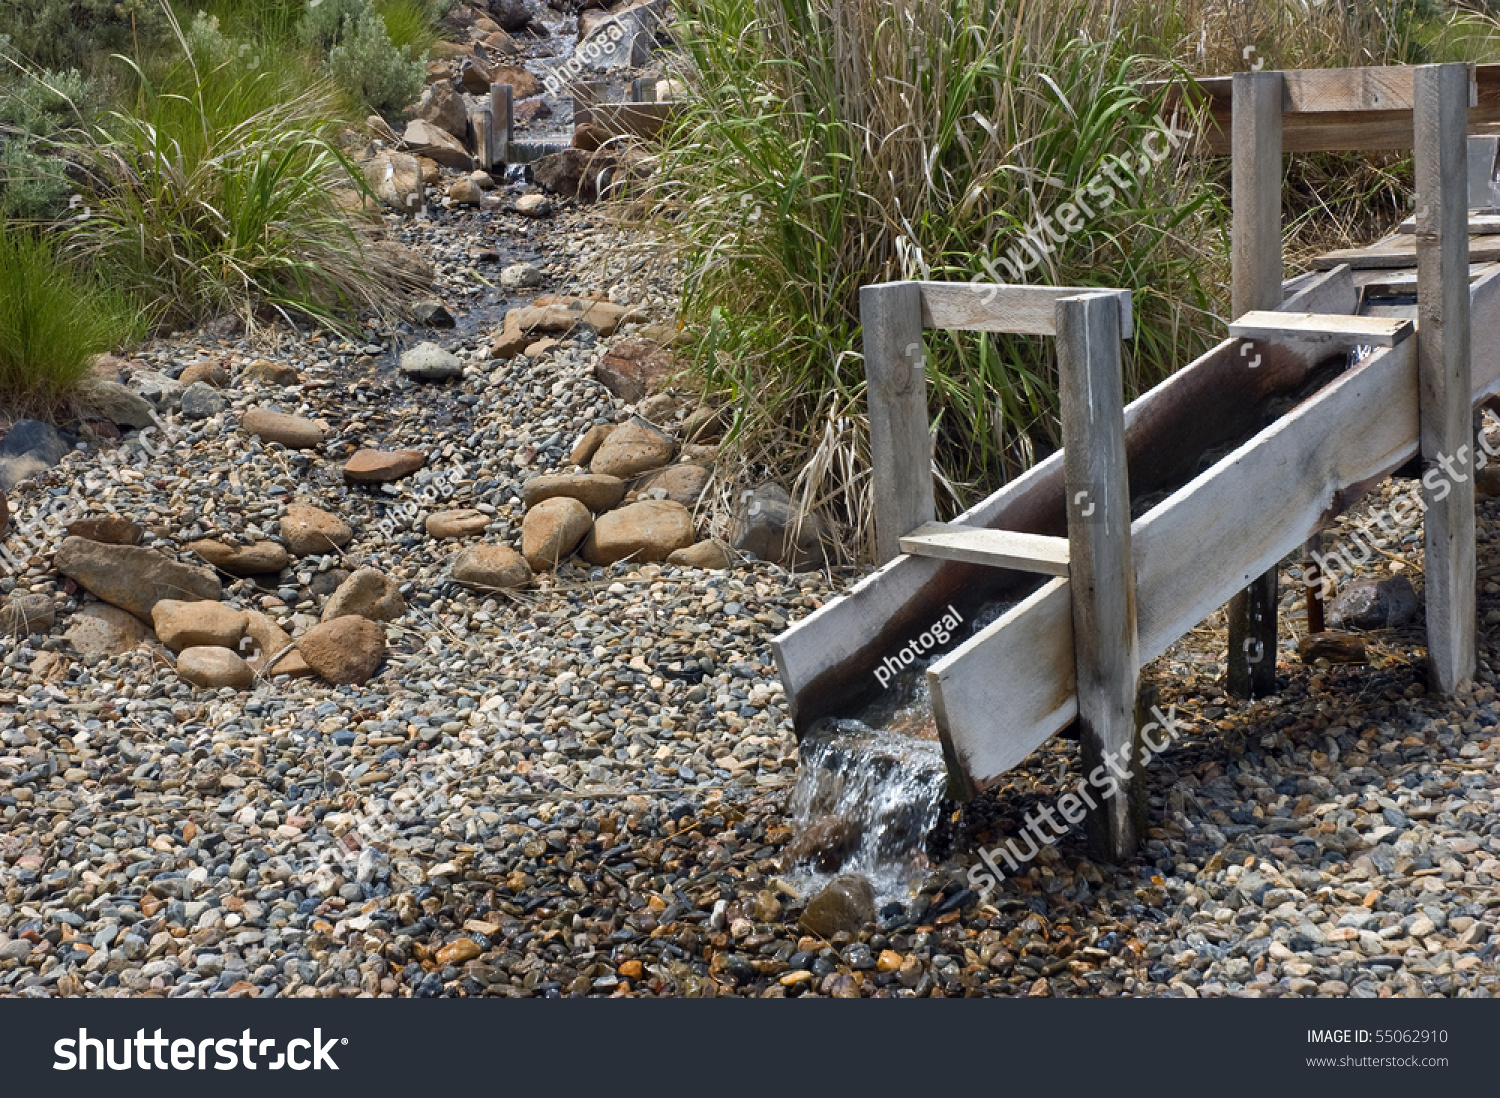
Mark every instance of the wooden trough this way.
pixel 1247 453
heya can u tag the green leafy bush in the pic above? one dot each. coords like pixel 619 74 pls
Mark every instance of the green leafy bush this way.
pixel 221 192
pixel 52 322
pixel 61 34
pixel 366 65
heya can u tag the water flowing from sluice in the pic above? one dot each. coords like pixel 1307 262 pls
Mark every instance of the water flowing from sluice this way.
pixel 869 789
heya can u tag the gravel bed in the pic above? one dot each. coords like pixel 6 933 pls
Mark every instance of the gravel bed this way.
pixel 581 788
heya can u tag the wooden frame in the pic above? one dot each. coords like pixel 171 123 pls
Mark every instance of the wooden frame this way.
pixel 1089 326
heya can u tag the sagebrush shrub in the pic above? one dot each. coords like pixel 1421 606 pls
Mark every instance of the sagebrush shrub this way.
pixel 60 34
pixel 367 66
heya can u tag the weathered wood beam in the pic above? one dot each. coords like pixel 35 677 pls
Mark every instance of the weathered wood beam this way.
pixel 1444 372
pixel 995 548
pixel 1255 179
pixel 1101 567
pixel 1321 328
pixel 896 392
pixel 997 307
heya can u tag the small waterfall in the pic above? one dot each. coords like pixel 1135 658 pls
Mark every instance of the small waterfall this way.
pixel 869 790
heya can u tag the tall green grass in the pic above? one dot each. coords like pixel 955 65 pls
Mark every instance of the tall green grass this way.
pixel 830 144
pixel 221 191
pixel 52 322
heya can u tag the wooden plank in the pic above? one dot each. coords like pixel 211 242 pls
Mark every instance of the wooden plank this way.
pixel 1482 155
pixel 1332 130
pixel 1255 179
pixel 896 389
pixel 1400 251
pixel 997 307
pixel 1358 429
pixel 1101 568
pixel 995 548
pixel 1325 292
pixel 1445 382
pixel 482 136
pixel 1479 225
pixel 503 117
pixel 1320 328
pixel 1389 283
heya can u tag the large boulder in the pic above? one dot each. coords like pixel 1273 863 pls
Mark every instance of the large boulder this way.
pixel 1374 604
pixel 23 615
pixel 344 651
pixel 444 107
pixel 310 531
pixel 382 466
pixel 28 448
pixel 646 531
pixel 293 432
pixel 552 530
pixel 634 447
pixel 369 593
pixel 131 577
pixel 846 904
pixel 429 140
pixel 633 369
pixel 523 82
pixel 100 629
pixel 767 525
pixel 594 490
pixel 263 558
pixel 396 179
pixel 490 566
pixel 512 15
pixel 114 402
pixel 211 668
pixel 429 362
pixel 682 484
pixel 574 173
pixel 182 625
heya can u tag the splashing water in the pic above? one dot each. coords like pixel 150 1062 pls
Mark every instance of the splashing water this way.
pixel 884 789
pixel 869 791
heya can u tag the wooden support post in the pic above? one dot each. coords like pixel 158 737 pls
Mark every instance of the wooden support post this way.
pixel 503 119
pixel 1440 115
pixel 1312 579
pixel 482 134
pixel 587 94
pixel 896 389
pixel 1101 568
pixel 643 89
pixel 1255 243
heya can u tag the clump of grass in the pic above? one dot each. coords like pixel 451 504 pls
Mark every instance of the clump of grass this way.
pixel 222 192
pixel 52 322
pixel 831 144
pixel 836 143
pixel 410 25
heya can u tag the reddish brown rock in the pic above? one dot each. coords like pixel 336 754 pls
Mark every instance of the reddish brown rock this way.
pixel 309 531
pixel 552 530
pixel 293 432
pixel 369 593
pixel 382 466
pixel 266 372
pixel 633 369
pixel 711 553
pixel 100 629
pixel 268 649
pixel 490 566
pixel 108 530
pixel 633 447
pixel 344 651
pixel 642 531
pixel 461 522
